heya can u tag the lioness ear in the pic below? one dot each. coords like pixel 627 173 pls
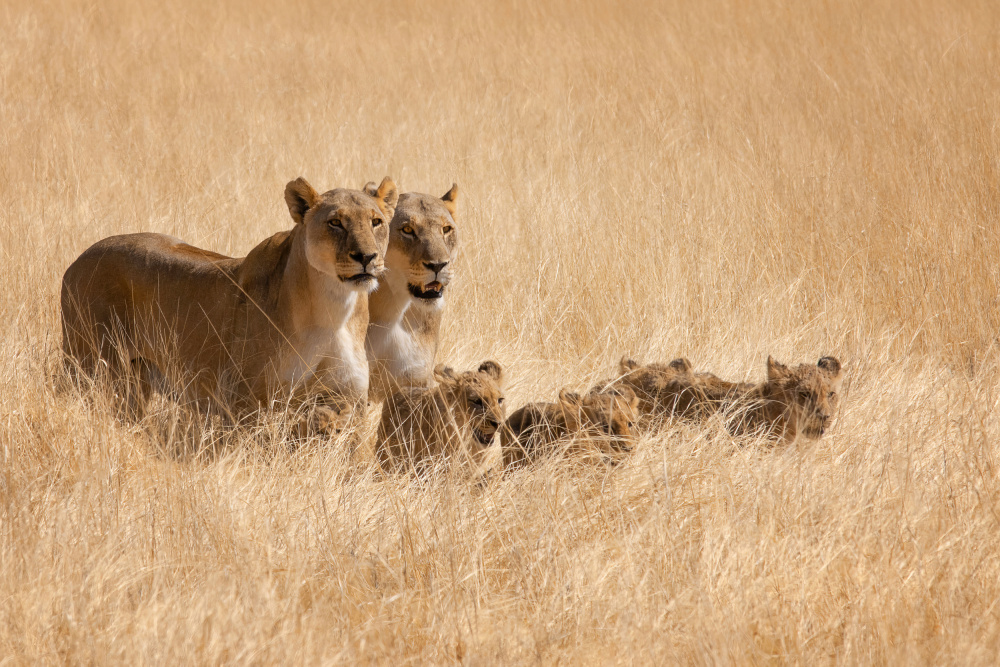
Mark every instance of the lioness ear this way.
pixel 386 196
pixel 830 365
pixel 449 198
pixel 570 397
pixel 492 369
pixel 300 197
pixel 626 365
pixel 775 370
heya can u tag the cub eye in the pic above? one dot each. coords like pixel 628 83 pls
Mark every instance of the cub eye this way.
pixel 478 402
pixel 831 394
pixel 335 223
pixel 447 229
pixel 500 400
pixel 407 230
pixel 376 222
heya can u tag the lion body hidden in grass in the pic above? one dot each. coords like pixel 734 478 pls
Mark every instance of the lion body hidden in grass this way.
pixel 791 402
pixel 601 422
pixel 458 419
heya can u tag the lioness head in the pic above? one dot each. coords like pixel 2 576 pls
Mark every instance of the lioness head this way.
pixel 608 414
pixel 476 397
pixel 806 396
pixel 346 230
pixel 423 240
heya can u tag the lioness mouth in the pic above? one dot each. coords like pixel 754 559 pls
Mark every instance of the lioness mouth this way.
pixel 432 290
pixel 358 278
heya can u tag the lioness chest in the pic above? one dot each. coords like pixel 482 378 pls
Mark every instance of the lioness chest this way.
pixel 326 361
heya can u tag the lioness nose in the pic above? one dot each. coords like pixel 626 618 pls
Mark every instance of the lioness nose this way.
pixel 363 259
pixel 436 268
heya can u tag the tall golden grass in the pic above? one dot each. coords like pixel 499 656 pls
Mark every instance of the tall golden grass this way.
pixel 721 180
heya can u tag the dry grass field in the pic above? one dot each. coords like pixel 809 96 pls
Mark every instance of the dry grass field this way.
pixel 719 180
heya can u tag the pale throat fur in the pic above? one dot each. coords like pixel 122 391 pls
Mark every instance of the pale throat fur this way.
pixel 406 309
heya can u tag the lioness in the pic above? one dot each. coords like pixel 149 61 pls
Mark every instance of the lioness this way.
pixel 458 418
pixel 285 322
pixel 406 309
pixel 602 418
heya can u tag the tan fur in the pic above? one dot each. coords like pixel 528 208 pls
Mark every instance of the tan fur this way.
pixel 663 390
pixel 407 307
pixel 287 321
pixel 602 418
pixel 458 418
pixel 791 402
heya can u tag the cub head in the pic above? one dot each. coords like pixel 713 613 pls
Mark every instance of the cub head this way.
pixel 476 397
pixel 807 396
pixel 610 414
pixel 423 240
pixel 347 231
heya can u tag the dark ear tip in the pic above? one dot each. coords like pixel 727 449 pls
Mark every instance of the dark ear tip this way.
pixel 830 364
pixel 681 364
pixel 491 368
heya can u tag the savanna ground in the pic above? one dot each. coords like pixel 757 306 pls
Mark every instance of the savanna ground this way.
pixel 721 180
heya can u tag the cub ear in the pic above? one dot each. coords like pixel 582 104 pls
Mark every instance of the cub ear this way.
pixel 300 197
pixel 449 198
pixel 626 365
pixel 775 370
pixel 385 194
pixel 444 374
pixel 493 369
pixel 570 397
pixel 628 395
pixel 830 364
pixel 370 188
pixel 681 365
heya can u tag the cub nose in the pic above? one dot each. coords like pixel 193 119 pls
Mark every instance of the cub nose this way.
pixel 435 267
pixel 363 259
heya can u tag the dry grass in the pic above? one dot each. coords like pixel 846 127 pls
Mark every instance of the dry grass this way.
pixel 721 180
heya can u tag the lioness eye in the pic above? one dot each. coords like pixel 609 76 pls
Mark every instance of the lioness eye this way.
pixel 376 222
pixel 333 222
pixel 447 229
pixel 407 230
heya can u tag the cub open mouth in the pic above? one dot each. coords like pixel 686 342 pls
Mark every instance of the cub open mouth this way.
pixel 432 290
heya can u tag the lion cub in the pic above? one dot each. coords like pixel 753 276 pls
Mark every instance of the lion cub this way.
pixel 670 390
pixel 791 402
pixel 458 418
pixel 604 418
